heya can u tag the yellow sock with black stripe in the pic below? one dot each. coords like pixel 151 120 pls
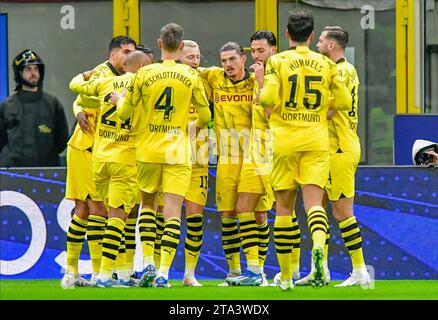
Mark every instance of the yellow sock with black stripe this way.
pixel 353 241
pixel 283 234
pixel 263 243
pixel 120 263
pixel 75 240
pixel 95 232
pixel 296 241
pixel 326 248
pixel 147 230
pixel 318 225
pixel 110 246
pixel 250 239
pixel 169 244
pixel 231 243
pixel 130 243
pixel 192 248
pixel 159 230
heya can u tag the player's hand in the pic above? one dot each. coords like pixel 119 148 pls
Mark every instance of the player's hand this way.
pixel 87 74
pixel 268 112
pixel 83 121
pixel 116 96
pixel 259 71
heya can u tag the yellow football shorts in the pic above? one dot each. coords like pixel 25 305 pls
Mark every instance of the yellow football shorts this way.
pixel 117 184
pixel 80 184
pixel 198 189
pixel 343 167
pixel 254 178
pixel 228 180
pixel 300 168
pixel 173 178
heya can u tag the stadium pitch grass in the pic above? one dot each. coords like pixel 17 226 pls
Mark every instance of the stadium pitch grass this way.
pixel 383 290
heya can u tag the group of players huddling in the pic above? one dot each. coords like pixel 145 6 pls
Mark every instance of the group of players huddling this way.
pixel 141 147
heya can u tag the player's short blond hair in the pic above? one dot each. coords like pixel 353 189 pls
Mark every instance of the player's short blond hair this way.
pixel 190 44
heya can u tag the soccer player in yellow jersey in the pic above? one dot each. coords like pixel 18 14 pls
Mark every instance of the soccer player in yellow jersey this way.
pixel 305 81
pixel 254 176
pixel 196 197
pixel 90 213
pixel 114 164
pixel 344 155
pixel 230 88
pixel 163 94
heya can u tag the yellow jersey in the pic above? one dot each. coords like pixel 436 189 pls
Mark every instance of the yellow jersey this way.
pixel 232 111
pixel 305 81
pixel 343 126
pixel 114 140
pixel 79 139
pixel 261 138
pixel 164 92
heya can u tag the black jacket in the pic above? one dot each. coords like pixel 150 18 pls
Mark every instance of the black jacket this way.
pixel 33 130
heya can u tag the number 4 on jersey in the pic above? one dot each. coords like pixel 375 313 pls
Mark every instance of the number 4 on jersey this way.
pixel 164 103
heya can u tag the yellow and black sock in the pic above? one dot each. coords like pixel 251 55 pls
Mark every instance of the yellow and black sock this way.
pixel 193 243
pixel 326 248
pixel 263 242
pixel 147 230
pixel 75 240
pixel 110 246
pixel 120 263
pixel 231 243
pixel 296 241
pixel 318 225
pixel 157 247
pixel 353 241
pixel 169 244
pixel 283 235
pixel 130 243
pixel 250 239
pixel 95 232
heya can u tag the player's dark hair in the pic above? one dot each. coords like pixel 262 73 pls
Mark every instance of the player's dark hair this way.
pixel 338 34
pixel 119 41
pixel 146 50
pixel 229 46
pixel 171 36
pixel 264 34
pixel 300 25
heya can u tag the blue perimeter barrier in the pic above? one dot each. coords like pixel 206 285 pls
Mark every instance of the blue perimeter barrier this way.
pixel 396 207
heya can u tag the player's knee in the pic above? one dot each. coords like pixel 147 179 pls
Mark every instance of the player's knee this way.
pixel 261 217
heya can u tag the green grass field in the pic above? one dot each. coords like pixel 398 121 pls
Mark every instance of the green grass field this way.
pixel 383 290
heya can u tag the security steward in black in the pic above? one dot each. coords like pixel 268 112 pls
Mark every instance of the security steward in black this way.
pixel 33 126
